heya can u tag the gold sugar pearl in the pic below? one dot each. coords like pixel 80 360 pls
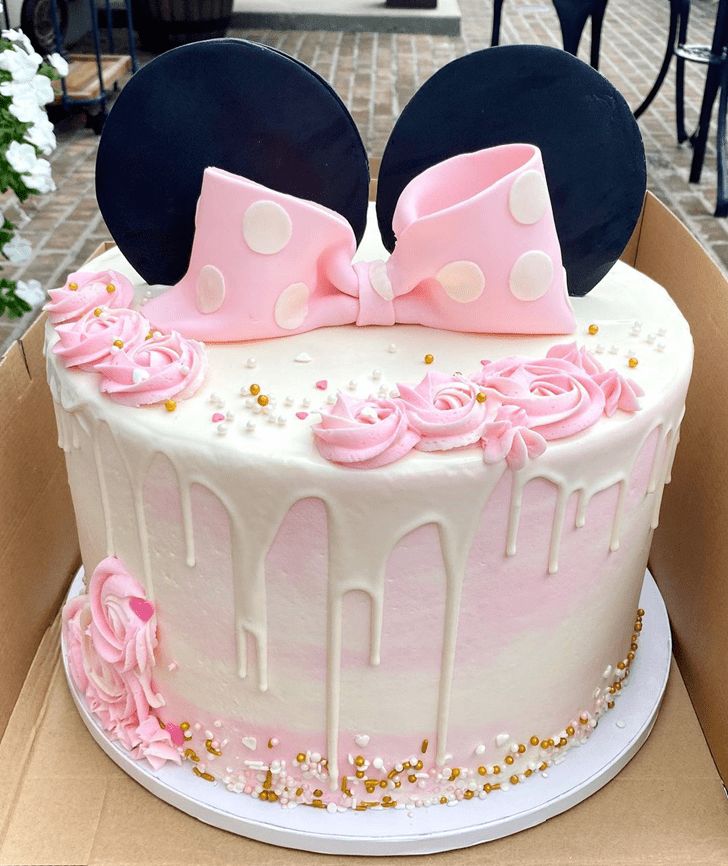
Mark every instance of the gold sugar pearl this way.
pixel 111 288
pixel 170 405
pixel 98 311
pixel 300 757
pixel 640 612
pixel 184 726
pixel 443 800
pixel 496 770
pixel 544 744
pixel 255 390
pixel 262 400
pixel 383 783
pixel 468 795
pixel 534 741
pixel 360 774
pixel 593 329
pixel 119 344
pixel 570 730
pixel 318 793
pixel 487 788
pixel 412 778
pixel 429 358
pixel 359 761
pixel 514 780
pixel 521 748
pixel 454 774
pixel 509 759
pixel 482 771
pixel 480 397
pixel 633 362
pixel 73 287
pixel 528 772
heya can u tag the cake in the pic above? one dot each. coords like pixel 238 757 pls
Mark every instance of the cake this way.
pixel 364 535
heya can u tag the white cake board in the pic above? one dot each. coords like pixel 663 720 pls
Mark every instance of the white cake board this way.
pixel 617 738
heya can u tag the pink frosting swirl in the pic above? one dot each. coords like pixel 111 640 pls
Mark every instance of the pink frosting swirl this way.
pixel 110 636
pixel 619 392
pixel 83 292
pixel 446 411
pixel 510 438
pixel 164 367
pixel 155 744
pixel 577 355
pixel 559 398
pixel 93 339
pixel 364 433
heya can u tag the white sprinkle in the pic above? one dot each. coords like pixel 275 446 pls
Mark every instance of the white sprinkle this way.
pixel 274 741
pixel 480 749
pixel 394 393
pixel 249 403
pixel 315 757
pixel 257 408
pixel 281 420
pixel 138 375
pixel 352 385
pixel 599 349
pixel 607 672
pixel 613 350
pixel 229 416
pixel 619 723
pixel 250 743
pixel 660 347
pixel 213 398
pixel 172 666
pixel 306 402
pixel 362 740
pixel 501 740
pixel 197 726
pixel 222 429
pixel 250 426
pixel 331 399
pixel 288 401
pixel 331 807
pixel 378 764
pixel 251 363
pixel 217 723
pixel 302 358
pixel 392 348
pixel 597 692
pixel 184 369
pixel 376 374
pixel 651 338
pixel 661 332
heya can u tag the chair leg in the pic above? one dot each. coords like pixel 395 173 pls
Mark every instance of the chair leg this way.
pixel 598 11
pixel 682 36
pixel 699 138
pixel 672 31
pixel 495 33
pixel 572 20
pixel 721 205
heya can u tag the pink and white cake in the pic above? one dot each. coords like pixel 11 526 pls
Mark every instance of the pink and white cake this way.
pixel 358 567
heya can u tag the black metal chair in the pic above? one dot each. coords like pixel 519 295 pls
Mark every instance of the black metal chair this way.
pixel 573 15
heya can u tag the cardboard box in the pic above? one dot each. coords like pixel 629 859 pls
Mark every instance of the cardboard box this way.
pixel 62 801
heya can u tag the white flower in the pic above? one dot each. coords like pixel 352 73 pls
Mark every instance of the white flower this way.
pixel 43 89
pixel 31 292
pixel 59 63
pixel 39 177
pixel 25 107
pixel 17 250
pixel 21 65
pixel 22 157
pixel 17 36
pixel 41 135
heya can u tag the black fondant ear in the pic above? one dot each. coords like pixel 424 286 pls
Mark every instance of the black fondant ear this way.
pixel 228 103
pixel 591 145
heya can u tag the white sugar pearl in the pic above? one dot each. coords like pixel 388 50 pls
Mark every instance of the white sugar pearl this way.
pixel 650 338
pixel 392 348
pixel 331 399
pixel 660 347
pixel 306 402
pixel 613 350
pixel 281 420
pixel 480 749
pixel 229 416
pixel 251 363
pixel 599 349
pixel 661 332
pixel 249 403
pixel 213 398
pixel 222 429
pixel 376 374
pixel 288 401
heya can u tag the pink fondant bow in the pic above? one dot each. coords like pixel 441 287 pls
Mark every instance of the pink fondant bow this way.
pixel 476 251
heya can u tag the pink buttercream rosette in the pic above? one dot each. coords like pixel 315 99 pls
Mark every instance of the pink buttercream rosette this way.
pixel 92 339
pixel 510 438
pixel 364 433
pixel 101 289
pixel 110 635
pixel 164 367
pixel 446 411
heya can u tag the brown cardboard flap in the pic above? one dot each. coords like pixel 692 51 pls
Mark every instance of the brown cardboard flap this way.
pixel 690 549
pixel 38 543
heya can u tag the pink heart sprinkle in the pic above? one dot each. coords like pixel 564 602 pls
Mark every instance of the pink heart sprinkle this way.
pixel 302 415
pixel 176 733
pixel 218 416
pixel 142 608
pixel 322 384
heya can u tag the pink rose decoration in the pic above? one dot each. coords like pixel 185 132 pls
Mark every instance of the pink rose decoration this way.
pixel 364 433
pixel 155 744
pixel 577 355
pixel 509 437
pixel 619 392
pixel 83 292
pixel 110 649
pixel 559 398
pixel 91 340
pixel 161 368
pixel 446 411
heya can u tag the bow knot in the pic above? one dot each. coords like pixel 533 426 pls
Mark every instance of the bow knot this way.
pixel 476 251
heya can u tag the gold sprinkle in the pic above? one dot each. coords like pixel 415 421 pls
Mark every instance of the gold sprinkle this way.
pixel 111 288
pixel 383 783
pixel 184 726
pixel 268 783
pixel 528 772
pixel 318 792
pixel 633 362
pixel 360 774
pixel 270 743
pixel 570 730
pixel 149 336
pixel 443 800
pixel 562 742
pixel 73 287
pixel 593 329
pixel 621 666
pixel 487 788
pixel 429 358
pixel 98 311
pixel 119 344
pixel 208 777
pixel 423 747
pixel 419 765
pixel 359 761
pixel 391 774
pixel 610 704
pixel 262 400
pixel 300 757
pixel 317 804
pixel 468 795
pixel 514 780
pixel 544 744
pixel 482 771
pixel 255 390
pixel 630 656
pixel 170 405
pixel 521 748
pixel 454 774
pixel 583 718
pixel 534 741
pixel 161 723
pixel 344 784
pixel 640 612
pixel 496 770
pixel 638 626
pixel 509 759
pixel 397 784
pixel 480 397
pixel 543 766
pixel 211 749
pixel 412 778
pixel 299 791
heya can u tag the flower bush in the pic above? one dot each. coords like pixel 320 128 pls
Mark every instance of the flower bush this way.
pixel 26 137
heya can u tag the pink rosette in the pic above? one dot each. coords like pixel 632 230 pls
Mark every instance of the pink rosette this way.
pixel 155 744
pixel 162 368
pixel 364 434
pixel 91 340
pixel 619 392
pixel 83 292
pixel 559 398
pixel 577 355
pixel 110 637
pixel 509 437
pixel 446 411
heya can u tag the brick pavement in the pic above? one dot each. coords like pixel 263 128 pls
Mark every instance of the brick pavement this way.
pixel 376 74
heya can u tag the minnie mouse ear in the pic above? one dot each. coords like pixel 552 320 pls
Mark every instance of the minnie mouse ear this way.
pixel 227 103
pixel 591 146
